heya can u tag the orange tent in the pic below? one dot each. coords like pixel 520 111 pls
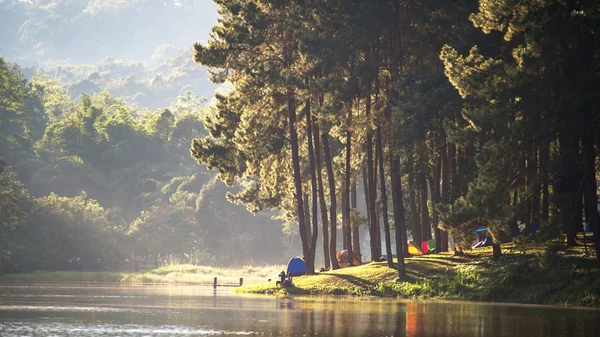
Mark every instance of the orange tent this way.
pixel 342 258
pixel 414 249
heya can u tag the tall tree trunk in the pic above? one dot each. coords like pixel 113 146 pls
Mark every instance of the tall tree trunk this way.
pixel 590 187
pixel 451 184
pixel 425 210
pixel 418 207
pixel 536 196
pixel 322 204
pixel 459 176
pixel 435 200
pixel 333 211
pixel 305 199
pixel 513 225
pixel 415 226
pixel 377 215
pixel 355 230
pixel 365 180
pixel 375 246
pixel 347 189
pixel 446 166
pixel 386 224
pixel 456 175
pixel 567 187
pixel 401 244
pixel 291 107
pixel 460 179
pixel 528 188
pixel 313 181
pixel 577 217
pixel 345 220
pixel 496 251
pixel 545 181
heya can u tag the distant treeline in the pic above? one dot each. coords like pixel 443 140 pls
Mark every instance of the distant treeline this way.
pixel 100 180
pixel 153 83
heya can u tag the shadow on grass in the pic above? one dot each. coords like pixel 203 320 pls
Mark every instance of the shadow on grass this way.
pixel 430 261
pixel 425 270
pixel 357 281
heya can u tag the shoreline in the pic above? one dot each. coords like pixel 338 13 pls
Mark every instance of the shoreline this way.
pixel 167 275
pixel 534 275
pixel 530 276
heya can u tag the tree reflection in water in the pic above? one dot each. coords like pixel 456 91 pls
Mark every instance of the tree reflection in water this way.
pixel 153 311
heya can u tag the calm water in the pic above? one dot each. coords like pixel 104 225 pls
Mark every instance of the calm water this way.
pixel 50 310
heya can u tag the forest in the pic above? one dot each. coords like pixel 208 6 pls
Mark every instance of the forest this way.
pixel 455 116
pixel 99 180
pixel 95 142
pixel 357 125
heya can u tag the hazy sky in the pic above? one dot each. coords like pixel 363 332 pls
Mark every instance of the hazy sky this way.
pixel 87 31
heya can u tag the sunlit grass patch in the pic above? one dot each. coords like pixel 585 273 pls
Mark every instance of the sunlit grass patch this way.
pixel 171 274
pixel 356 280
pixel 260 272
pixel 187 273
pixel 535 273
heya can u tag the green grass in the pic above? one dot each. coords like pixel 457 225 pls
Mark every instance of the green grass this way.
pixel 192 274
pixel 171 274
pixel 536 275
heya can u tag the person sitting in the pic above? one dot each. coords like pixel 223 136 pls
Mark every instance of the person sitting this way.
pixel 282 279
pixel 288 282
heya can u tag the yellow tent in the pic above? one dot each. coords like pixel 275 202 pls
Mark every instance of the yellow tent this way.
pixel 413 249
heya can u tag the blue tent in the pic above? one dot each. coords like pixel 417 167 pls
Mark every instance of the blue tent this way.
pixel 296 266
pixel 487 241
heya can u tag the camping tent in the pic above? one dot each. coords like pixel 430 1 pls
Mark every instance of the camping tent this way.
pixel 487 241
pixel 424 247
pixel 414 249
pixel 342 258
pixel 483 239
pixel 431 245
pixel 296 266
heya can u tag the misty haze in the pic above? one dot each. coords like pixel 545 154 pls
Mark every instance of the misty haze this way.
pixel 315 167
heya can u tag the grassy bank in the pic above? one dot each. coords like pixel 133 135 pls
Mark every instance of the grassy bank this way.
pixel 536 275
pixel 173 274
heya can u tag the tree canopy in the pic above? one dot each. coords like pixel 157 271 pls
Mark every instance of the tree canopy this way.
pixel 99 179
pixel 482 114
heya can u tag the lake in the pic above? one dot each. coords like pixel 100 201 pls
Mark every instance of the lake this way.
pixel 93 310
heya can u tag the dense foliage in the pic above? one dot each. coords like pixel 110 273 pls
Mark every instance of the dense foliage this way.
pixel 100 180
pixel 153 83
pixel 452 115
pixel 473 113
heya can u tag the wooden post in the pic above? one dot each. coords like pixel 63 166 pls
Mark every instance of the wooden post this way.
pixel 241 281
pixel 215 283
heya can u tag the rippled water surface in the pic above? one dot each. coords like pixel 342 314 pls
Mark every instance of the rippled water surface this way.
pixel 75 310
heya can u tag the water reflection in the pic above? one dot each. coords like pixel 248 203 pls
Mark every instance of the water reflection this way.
pixel 196 311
